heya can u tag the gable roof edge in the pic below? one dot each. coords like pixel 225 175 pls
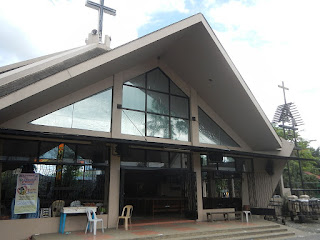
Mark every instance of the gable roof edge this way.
pixel 241 80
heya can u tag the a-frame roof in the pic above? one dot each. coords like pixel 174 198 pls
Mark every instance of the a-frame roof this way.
pixel 189 47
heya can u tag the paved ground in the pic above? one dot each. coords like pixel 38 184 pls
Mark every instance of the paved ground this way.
pixel 309 230
pixel 150 230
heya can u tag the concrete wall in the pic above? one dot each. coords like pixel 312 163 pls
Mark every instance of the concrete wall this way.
pixel 23 228
pixel 264 184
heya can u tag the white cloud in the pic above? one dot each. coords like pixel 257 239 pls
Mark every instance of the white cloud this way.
pixel 49 26
pixel 272 41
pixel 268 40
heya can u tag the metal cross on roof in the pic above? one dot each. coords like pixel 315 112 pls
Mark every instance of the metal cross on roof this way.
pixel 284 93
pixel 101 8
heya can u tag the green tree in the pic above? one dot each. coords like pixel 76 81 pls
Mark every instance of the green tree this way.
pixel 310 169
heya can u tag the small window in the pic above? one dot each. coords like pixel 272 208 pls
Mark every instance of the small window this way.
pixel 156 80
pixel 179 107
pixel 133 123
pixel 158 103
pixel 135 98
pixel 157 126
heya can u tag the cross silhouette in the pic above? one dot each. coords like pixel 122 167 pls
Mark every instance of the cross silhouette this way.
pixel 284 93
pixel 101 8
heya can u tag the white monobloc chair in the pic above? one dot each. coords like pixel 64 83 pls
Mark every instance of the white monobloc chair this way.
pixel 246 214
pixel 92 221
pixel 126 215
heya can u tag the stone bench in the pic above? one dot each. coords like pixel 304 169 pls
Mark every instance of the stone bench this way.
pixel 225 212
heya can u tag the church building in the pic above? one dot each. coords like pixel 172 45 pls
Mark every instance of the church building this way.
pixel 164 123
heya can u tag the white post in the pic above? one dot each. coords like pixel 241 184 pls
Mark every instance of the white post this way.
pixel 114 191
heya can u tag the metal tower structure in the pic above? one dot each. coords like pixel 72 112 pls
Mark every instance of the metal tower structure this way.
pixel 288 118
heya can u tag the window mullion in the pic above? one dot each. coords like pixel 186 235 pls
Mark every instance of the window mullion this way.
pixel 145 107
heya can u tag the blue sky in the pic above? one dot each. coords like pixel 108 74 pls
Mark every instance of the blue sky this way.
pixel 268 40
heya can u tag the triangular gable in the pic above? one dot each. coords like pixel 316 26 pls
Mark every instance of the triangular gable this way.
pixel 192 51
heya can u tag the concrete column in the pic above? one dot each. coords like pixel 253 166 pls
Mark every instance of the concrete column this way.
pixel 245 190
pixel 232 188
pixel 117 99
pixel 194 113
pixel 114 191
pixel 106 187
pixel 197 170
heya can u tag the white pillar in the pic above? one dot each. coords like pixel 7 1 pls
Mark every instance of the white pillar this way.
pixel 232 188
pixel 117 99
pixel 114 191
pixel 197 170
pixel 194 113
pixel 245 190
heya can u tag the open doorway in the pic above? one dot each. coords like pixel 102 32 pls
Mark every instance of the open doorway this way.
pixel 158 184
pixel 155 192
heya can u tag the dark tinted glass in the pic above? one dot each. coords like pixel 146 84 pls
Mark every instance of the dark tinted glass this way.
pixel 179 107
pixel 156 80
pixel 18 150
pixel 138 81
pixel 175 90
pixel 158 103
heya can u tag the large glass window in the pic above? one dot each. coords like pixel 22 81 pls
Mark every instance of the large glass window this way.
pixel 92 113
pixel 212 133
pixel 222 180
pixel 67 171
pixel 154 106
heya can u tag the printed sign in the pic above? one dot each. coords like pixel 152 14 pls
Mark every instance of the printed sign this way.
pixel 27 193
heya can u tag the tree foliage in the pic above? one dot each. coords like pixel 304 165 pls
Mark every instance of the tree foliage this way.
pixel 310 169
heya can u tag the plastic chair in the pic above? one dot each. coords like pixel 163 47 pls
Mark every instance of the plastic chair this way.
pixel 126 215
pixel 246 213
pixel 56 207
pixel 92 222
pixel 75 203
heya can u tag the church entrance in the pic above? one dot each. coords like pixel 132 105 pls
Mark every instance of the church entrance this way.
pixel 162 188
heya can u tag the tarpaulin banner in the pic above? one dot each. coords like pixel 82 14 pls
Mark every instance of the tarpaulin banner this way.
pixel 26 193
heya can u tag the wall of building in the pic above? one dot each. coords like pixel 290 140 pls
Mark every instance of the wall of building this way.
pixel 260 196
pixel 21 229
